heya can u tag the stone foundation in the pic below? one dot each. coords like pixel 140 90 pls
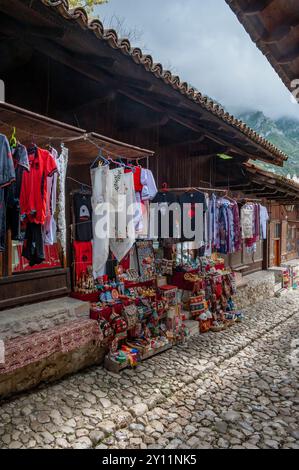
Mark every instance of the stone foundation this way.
pixel 255 288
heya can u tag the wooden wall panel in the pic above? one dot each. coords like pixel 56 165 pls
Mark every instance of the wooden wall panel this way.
pixel 33 287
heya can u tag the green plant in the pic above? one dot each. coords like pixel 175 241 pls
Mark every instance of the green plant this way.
pixel 89 5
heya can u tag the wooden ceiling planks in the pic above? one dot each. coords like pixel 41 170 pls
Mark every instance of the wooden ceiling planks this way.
pixel 274 27
pixel 108 60
pixel 83 146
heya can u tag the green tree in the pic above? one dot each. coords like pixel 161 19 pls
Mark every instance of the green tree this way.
pixel 89 5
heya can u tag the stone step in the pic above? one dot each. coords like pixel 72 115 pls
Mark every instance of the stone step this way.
pixel 41 316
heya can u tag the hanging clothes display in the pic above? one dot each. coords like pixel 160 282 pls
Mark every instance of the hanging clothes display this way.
pixel 29 181
pixel 7 177
pixel 33 199
pixel 120 211
pixel 224 225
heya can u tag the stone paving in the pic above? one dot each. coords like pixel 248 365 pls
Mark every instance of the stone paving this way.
pixel 237 388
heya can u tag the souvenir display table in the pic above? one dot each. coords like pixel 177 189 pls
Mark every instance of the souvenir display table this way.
pixel 139 316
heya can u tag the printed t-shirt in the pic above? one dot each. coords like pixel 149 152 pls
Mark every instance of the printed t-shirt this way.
pixel 164 200
pixel 82 257
pixel 33 197
pixel 83 217
pixel 192 198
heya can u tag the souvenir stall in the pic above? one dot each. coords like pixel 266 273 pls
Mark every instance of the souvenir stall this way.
pixel 33 248
pixel 150 293
pixel 116 270
pixel 147 291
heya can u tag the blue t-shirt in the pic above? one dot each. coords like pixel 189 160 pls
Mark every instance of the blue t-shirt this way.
pixel 7 171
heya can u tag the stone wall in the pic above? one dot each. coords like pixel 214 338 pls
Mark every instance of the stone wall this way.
pixel 257 288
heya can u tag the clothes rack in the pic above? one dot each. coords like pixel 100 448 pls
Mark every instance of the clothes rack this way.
pixel 244 199
pixel 109 152
pixel 214 190
pixel 78 182
pixel 65 139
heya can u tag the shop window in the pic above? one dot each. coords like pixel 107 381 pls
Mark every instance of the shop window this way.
pixel 258 256
pixel 291 238
pixel 277 231
pixel 248 257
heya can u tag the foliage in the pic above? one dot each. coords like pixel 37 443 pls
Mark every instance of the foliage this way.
pixel 89 5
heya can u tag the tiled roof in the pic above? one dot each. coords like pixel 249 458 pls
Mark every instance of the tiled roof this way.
pixel 280 180
pixel 110 36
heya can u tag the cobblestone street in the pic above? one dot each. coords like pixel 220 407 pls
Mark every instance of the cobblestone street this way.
pixel 237 388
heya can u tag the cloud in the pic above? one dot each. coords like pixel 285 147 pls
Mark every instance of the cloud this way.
pixel 204 43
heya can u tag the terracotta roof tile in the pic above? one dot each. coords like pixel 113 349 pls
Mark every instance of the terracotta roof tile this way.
pixel 110 36
pixel 269 174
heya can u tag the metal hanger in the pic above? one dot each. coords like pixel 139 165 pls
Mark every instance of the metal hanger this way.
pixel 13 139
pixel 98 158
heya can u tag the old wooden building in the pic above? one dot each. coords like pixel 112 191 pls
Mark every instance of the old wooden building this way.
pixel 69 80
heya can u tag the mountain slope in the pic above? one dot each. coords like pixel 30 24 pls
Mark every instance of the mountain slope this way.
pixel 282 132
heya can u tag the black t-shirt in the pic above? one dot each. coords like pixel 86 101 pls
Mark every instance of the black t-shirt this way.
pixel 166 201
pixel 83 217
pixel 190 199
pixel 21 164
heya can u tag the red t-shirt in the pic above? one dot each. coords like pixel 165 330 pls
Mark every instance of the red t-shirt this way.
pixel 34 186
pixel 82 257
pixel 137 178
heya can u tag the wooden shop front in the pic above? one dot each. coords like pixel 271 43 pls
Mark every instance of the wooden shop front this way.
pixel 19 282
pixel 76 79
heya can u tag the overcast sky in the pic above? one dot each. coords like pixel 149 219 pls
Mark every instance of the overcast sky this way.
pixel 204 43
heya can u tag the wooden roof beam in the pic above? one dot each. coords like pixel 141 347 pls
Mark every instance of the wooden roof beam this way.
pixel 256 6
pixel 289 191
pixel 289 57
pixel 10 26
pixel 279 33
pixel 184 122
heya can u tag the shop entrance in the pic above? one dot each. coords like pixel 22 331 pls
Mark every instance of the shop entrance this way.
pixel 277 252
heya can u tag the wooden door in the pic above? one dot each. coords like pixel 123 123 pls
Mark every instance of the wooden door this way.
pixel 276 252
